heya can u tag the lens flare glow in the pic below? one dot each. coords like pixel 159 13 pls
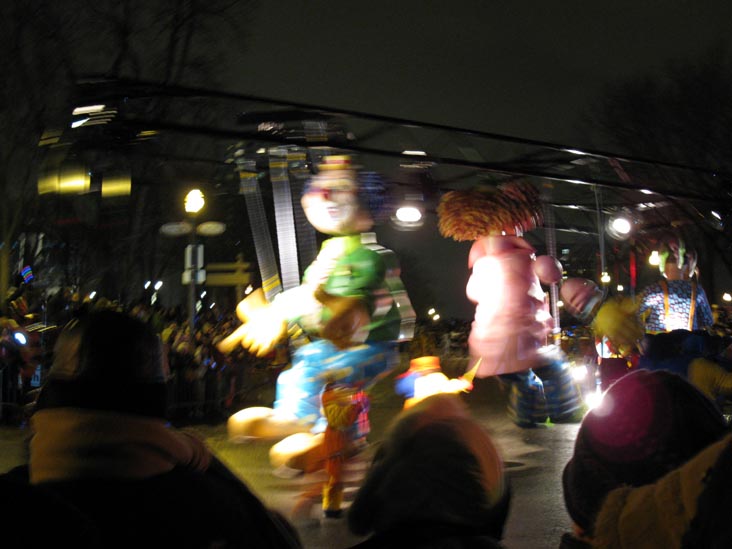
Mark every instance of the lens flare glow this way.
pixel 579 372
pixel 594 399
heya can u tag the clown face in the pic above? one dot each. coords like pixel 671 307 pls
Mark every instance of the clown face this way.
pixel 331 204
pixel 676 261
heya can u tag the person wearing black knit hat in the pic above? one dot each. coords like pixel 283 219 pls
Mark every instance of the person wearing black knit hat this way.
pixel 437 480
pixel 101 444
pixel 648 424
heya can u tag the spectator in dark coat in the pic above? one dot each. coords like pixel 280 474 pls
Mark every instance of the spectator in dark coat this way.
pixel 649 424
pixel 101 444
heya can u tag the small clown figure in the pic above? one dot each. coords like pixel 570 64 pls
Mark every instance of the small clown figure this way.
pixel 425 378
pixel 342 406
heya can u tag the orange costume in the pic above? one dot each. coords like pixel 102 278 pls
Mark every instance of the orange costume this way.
pixel 342 405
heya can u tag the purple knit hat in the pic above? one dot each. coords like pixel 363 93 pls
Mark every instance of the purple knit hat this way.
pixel 649 423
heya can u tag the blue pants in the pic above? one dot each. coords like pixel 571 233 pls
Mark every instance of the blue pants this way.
pixel 299 387
pixel 548 391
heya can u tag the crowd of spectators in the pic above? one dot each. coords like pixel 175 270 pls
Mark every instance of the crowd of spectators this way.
pixel 203 383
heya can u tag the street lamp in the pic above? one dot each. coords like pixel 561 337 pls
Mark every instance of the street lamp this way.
pixel 193 203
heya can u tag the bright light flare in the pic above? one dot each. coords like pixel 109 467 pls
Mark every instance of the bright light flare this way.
pixel 654 258
pixel 579 372
pixel 726 297
pixel 605 278
pixel 594 399
pixel 408 214
pixel 158 285
pixel 194 201
pixel 621 225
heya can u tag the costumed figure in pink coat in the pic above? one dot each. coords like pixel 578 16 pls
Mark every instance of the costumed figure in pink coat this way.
pixel 512 323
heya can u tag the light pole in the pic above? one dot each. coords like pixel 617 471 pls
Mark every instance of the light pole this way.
pixel 193 203
pixel 193 259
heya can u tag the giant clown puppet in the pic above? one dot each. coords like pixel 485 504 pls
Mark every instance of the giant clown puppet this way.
pixel 509 333
pixel 343 304
pixel 665 327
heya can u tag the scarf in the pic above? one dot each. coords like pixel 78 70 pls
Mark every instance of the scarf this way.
pixel 74 444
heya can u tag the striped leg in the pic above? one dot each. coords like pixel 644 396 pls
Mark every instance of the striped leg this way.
pixel 526 400
pixel 563 398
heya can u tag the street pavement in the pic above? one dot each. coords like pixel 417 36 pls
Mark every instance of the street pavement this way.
pixel 534 460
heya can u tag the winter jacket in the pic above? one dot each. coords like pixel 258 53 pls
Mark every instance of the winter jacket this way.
pixel 664 513
pixel 181 509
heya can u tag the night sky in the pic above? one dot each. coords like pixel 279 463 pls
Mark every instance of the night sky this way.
pixel 521 68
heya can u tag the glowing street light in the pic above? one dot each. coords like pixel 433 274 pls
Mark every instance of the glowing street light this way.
pixel 193 204
pixel 194 201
